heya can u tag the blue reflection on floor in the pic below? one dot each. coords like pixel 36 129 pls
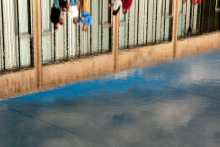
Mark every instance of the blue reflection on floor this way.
pixel 170 104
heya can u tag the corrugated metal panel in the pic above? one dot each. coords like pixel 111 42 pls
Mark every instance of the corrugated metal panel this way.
pixel 15 34
pixel 147 23
pixel 10 38
pixel 71 41
pixel 47 32
pixel 204 18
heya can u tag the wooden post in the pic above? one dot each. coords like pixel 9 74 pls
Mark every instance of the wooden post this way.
pixel 175 26
pixel 115 35
pixel 37 43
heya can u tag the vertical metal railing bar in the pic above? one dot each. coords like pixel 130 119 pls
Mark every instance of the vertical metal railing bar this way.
pixel 79 55
pixel 31 32
pixel 208 16
pixel 51 28
pixel 182 18
pixel 144 17
pixel 147 21
pixel 90 49
pixel 42 28
pixel 152 21
pixel 54 49
pixel 164 27
pixel 67 47
pixel 156 22
pixel 102 19
pixel 186 16
pixel 48 12
pixel 171 20
pixel 193 16
pixel 217 22
pixel 217 4
pixel 18 31
pixel 29 17
pixel 138 22
pixel 190 19
pixel 54 42
pixel 199 18
pixel 126 21
pixel 200 25
pixel 161 20
pixel 211 13
pixel 3 45
pixel 203 25
pixel 214 15
pixel 129 13
pixel 110 29
pixel 117 29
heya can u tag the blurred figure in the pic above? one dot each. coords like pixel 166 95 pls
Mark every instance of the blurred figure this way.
pixel 63 6
pixel 194 1
pixel 86 18
pixel 62 17
pixel 126 4
pixel 73 9
pixel 55 13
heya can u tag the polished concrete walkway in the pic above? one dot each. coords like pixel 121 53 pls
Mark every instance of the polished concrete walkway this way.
pixel 170 104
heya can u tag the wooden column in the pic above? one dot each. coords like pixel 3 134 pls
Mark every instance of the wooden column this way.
pixel 115 35
pixel 37 43
pixel 175 26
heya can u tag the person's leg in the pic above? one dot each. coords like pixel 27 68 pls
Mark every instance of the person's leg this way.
pixel 56 4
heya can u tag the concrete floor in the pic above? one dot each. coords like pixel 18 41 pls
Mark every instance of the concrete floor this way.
pixel 170 104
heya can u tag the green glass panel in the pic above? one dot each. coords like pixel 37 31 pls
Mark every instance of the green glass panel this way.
pixel 47 48
pixel 133 21
pixel 60 44
pixel 23 15
pixel 25 52
pixel 10 36
pixel 45 11
pixel 73 46
pixel 96 26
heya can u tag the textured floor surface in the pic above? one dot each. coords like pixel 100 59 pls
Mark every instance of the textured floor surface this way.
pixel 170 104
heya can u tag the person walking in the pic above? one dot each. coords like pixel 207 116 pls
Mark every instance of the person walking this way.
pixel 86 18
pixel 73 10
pixel 126 4
pixel 55 13
pixel 63 6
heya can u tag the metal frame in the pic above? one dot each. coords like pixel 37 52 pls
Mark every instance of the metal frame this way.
pixel 50 32
pixel 105 25
pixel 3 42
pixel 19 35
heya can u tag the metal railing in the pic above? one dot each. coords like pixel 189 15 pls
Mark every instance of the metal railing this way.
pixel 16 35
pixel 69 41
pixel 199 19
pixel 147 22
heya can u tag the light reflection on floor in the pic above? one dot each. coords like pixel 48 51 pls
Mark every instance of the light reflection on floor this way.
pixel 170 104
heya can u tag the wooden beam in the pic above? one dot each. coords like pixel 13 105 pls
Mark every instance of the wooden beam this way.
pixel 115 35
pixel 37 42
pixel 175 26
